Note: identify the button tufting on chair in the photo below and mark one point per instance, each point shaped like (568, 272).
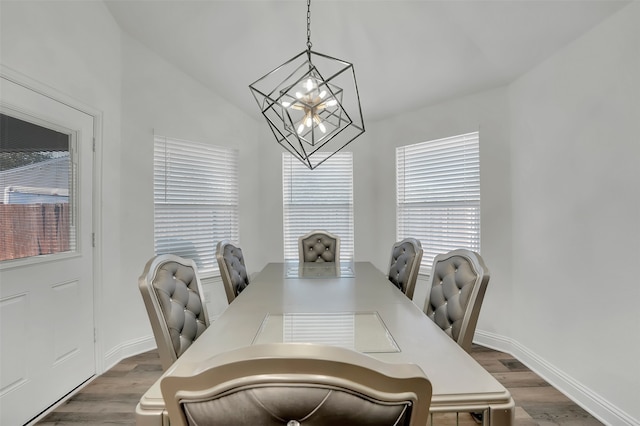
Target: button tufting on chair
(232, 269)
(319, 246)
(458, 284)
(173, 297)
(404, 267)
(297, 384)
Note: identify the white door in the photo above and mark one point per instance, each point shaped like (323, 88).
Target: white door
(46, 253)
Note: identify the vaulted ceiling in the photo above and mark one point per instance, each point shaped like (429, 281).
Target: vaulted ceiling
(406, 54)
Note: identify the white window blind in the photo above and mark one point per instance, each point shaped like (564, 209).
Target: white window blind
(318, 199)
(438, 195)
(195, 200)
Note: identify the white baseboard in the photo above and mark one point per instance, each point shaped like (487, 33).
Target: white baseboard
(111, 358)
(127, 349)
(586, 398)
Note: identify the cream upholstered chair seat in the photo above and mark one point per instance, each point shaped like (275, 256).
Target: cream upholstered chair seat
(298, 384)
(404, 267)
(232, 269)
(458, 283)
(319, 246)
(173, 297)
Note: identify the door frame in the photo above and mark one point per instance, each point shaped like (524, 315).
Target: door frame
(96, 220)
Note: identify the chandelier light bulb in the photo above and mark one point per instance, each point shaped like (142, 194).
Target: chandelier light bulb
(310, 103)
(320, 124)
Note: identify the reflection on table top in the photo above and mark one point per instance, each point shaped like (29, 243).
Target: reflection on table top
(361, 331)
(319, 270)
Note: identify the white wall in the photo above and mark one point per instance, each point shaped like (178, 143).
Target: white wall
(75, 48)
(559, 153)
(157, 97)
(488, 113)
(576, 215)
(79, 50)
(560, 198)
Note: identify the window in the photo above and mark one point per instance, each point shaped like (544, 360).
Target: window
(37, 179)
(318, 199)
(438, 195)
(195, 193)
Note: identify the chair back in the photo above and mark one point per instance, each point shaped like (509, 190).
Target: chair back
(298, 384)
(404, 267)
(458, 283)
(232, 269)
(319, 246)
(173, 296)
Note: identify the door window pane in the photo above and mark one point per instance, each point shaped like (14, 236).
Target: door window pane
(35, 179)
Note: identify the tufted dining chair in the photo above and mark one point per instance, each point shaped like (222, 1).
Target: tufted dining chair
(293, 384)
(404, 267)
(458, 283)
(319, 246)
(232, 269)
(173, 296)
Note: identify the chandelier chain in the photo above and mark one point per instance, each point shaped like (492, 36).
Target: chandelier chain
(309, 24)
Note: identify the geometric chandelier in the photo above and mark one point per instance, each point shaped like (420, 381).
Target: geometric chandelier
(311, 104)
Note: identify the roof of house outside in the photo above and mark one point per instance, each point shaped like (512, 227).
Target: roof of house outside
(51, 176)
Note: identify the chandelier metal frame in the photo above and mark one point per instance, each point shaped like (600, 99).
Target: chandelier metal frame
(311, 103)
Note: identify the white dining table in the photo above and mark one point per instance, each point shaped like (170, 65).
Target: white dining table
(352, 305)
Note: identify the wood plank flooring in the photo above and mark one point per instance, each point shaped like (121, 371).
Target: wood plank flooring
(111, 398)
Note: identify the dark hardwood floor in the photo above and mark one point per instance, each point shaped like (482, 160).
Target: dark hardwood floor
(111, 398)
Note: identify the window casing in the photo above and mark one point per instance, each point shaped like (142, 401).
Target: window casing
(195, 200)
(438, 195)
(318, 199)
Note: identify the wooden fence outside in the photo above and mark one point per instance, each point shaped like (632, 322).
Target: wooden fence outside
(33, 229)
